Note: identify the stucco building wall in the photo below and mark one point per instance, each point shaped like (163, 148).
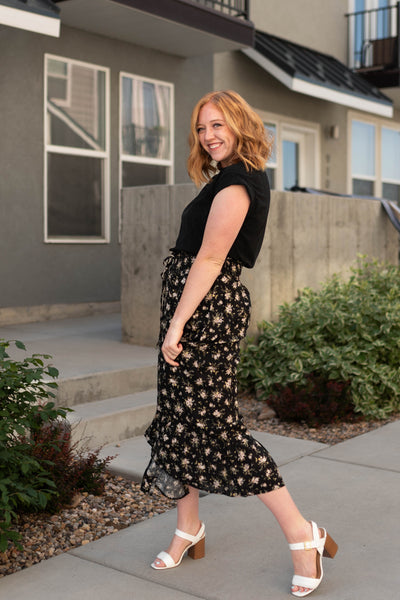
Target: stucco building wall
(32, 272)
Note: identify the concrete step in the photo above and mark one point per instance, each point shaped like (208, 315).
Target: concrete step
(108, 421)
(93, 362)
(94, 387)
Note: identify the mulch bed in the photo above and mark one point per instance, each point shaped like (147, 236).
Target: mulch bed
(123, 504)
(257, 417)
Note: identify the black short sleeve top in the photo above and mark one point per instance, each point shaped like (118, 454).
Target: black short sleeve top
(247, 244)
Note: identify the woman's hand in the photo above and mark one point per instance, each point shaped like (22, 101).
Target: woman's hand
(172, 347)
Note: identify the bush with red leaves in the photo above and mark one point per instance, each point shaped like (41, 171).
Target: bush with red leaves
(319, 402)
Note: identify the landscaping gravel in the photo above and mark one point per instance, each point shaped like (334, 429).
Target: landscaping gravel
(123, 504)
(43, 535)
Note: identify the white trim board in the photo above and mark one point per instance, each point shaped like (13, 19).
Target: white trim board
(30, 21)
(318, 91)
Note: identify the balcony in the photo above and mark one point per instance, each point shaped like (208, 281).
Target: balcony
(180, 27)
(373, 45)
(233, 8)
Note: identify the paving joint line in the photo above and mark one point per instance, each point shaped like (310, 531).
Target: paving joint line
(356, 464)
(291, 460)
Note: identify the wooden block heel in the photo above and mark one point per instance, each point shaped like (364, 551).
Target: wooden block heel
(199, 550)
(331, 547)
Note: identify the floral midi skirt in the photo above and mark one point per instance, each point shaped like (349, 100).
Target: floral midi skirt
(197, 436)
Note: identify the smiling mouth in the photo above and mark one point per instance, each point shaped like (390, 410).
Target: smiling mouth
(215, 146)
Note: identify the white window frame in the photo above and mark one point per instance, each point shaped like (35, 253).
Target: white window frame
(396, 182)
(67, 80)
(70, 151)
(393, 127)
(162, 162)
(273, 165)
(310, 134)
(374, 178)
(378, 124)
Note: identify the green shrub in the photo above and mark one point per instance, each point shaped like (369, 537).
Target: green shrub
(349, 331)
(25, 406)
(39, 468)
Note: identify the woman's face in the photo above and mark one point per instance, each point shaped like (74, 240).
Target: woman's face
(215, 136)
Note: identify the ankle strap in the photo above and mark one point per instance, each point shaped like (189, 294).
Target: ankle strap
(184, 535)
(304, 545)
(191, 538)
(316, 542)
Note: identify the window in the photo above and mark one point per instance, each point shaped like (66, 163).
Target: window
(272, 164)
(77, 151)
(146, 135)
(363, 158)
(390, 153)
(375, 160)
(358, 32)
(369, 21)
(291, 164)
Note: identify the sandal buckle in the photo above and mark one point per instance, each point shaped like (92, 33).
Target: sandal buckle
(308, 545)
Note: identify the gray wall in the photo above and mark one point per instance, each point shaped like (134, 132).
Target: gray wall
(318, 24)
(32, 272)
(308, 238)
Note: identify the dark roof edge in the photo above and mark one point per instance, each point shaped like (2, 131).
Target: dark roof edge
(40, 7)
(382, 99)
(291, 71)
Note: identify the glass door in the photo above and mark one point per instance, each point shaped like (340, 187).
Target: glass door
(294, 159)
(290, 164)
(370, 21)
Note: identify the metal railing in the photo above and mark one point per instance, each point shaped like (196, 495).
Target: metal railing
(373, 37)
(232, 8)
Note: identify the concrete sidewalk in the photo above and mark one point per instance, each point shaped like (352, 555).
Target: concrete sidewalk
(352, 489)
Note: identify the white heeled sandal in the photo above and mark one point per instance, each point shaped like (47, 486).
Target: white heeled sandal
(195, 550)
(325, 546)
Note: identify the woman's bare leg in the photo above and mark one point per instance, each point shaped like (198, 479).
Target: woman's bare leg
(295, 528)
(187, 521)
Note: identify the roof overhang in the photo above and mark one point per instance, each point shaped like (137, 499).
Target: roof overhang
(39, 16)
(283, 69)
(180, 27)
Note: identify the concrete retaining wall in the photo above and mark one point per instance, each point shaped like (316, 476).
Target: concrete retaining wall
(308, 238)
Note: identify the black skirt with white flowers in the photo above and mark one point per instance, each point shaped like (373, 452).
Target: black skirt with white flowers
(198, 437)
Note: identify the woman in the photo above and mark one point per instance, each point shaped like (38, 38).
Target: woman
(198, 438)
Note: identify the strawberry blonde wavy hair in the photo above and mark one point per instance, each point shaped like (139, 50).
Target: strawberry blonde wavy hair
(253, 147)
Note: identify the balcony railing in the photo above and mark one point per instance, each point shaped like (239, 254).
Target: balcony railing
(373, 44)
(232, 8)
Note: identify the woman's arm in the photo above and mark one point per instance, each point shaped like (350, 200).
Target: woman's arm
(227, 214)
